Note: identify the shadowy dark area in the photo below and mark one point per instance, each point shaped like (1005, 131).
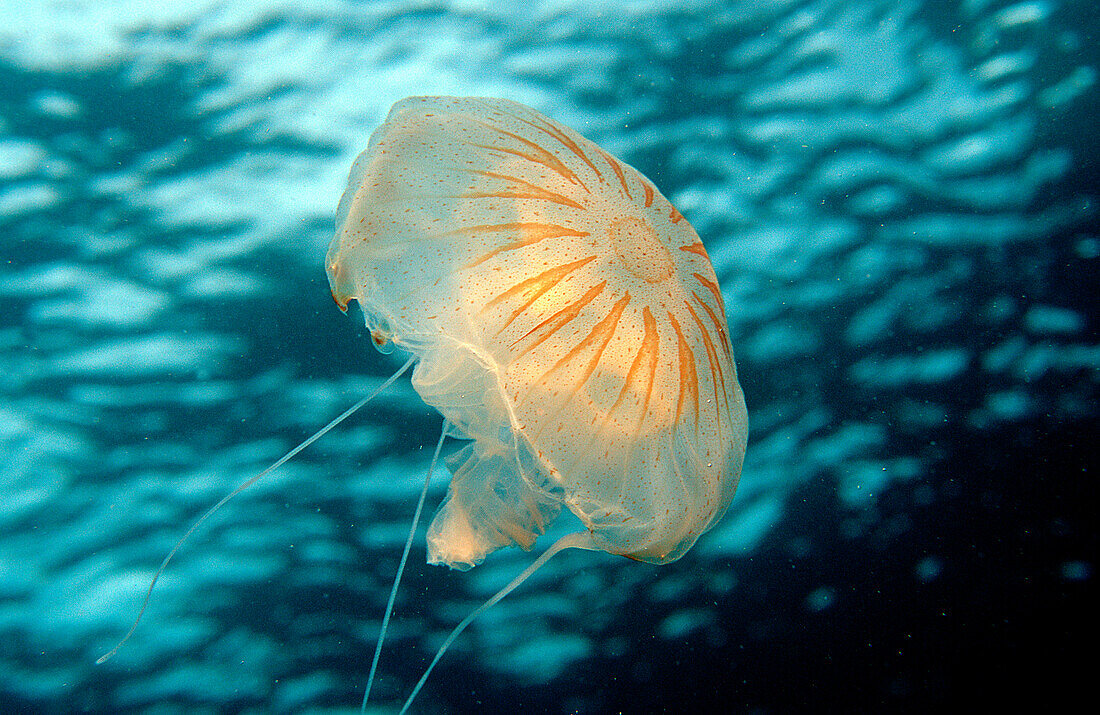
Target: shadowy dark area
(1001, 622)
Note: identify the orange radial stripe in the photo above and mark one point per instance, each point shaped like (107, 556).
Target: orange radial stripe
(689, 378)
(542, 195)
(565, 141)
(648, 193)
(560, 318)
(697, 249)
(714, 290)
(618, 172)
(541, 155)
(718, 324)
(537, 286)
(646, 359)
(600, 335)
(715, 365)
(675, 215)
(529, 190)
(532, 234)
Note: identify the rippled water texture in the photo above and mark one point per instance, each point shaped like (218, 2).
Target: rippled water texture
(899, 201)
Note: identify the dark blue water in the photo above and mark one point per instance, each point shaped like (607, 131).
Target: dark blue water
(900, 202)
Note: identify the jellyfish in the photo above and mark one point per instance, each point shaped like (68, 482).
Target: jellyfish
(563, 316)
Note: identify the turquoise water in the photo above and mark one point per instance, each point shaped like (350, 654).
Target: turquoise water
(899, 199)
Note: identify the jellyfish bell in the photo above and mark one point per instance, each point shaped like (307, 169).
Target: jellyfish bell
(564, 317)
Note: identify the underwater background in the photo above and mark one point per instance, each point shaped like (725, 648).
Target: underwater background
(900, 201)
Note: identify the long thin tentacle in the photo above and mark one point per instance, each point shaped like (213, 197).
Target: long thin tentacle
(245, 485)
(401, 568)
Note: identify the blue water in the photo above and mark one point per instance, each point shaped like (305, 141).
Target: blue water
(900, 202)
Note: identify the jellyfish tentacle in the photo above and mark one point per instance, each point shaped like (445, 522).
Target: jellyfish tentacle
(401, 567)
(240, 488)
